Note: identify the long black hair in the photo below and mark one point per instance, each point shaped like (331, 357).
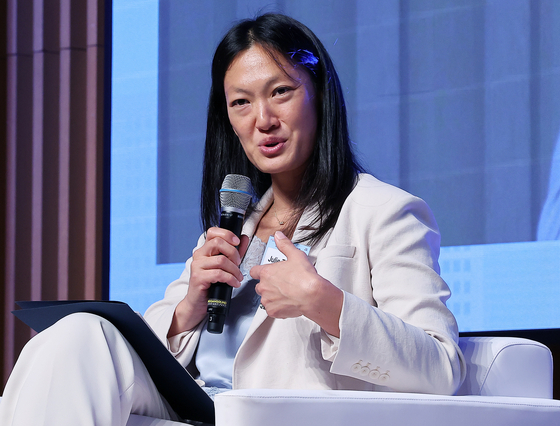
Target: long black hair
(332, 169)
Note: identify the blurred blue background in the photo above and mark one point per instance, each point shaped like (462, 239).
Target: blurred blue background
(456, 101)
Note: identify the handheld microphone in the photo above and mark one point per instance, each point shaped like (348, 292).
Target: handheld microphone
(235, 197)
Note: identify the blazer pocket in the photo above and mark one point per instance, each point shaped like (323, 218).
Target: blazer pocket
(336, 251)
(337, 264)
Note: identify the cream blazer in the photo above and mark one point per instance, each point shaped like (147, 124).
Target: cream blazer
(396, 331)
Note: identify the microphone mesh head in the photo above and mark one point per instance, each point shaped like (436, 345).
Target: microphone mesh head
(236, 192)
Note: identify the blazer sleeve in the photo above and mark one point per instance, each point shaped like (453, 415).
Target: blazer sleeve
(396, 330)
(160, 315)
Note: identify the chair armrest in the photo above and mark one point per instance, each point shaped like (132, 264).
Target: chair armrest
(506, 366)
(275, 407)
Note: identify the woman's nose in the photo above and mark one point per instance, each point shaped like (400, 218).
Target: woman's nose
(266, 117)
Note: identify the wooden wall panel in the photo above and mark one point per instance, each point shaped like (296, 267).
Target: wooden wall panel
(53, 157)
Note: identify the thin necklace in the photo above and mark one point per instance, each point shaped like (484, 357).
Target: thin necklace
(280, 222)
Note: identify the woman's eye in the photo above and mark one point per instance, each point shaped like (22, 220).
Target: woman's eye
(282, 90)
(239, 102)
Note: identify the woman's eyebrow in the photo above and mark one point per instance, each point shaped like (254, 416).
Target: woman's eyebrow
(248, 91)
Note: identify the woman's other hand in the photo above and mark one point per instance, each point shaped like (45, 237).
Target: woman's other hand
(293, 287)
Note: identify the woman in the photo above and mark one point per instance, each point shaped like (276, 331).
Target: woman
(365, 309)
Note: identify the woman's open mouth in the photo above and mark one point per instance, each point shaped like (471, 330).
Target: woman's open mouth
(272, 147)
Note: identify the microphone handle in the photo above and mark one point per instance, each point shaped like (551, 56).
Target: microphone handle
(219, 294)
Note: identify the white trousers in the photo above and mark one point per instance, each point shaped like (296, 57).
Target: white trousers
(81, 371)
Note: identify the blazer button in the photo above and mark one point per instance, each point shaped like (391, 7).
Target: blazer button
(365, 370)
(374, 374)
(384, 377)
(356, 368)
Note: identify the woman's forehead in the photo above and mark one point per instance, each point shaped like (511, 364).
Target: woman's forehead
(258, 61)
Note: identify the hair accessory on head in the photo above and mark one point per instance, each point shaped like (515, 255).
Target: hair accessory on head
(305, 57)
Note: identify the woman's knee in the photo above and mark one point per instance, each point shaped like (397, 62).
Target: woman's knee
(78, 332)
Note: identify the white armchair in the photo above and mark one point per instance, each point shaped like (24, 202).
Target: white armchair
(509, 382)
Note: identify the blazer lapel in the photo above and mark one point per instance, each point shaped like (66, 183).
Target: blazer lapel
(304, 221)
(252, 222)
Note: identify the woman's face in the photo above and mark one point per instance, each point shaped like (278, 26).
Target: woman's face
(272, 109)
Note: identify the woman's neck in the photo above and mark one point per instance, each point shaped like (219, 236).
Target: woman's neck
(286, 190)
(281, 216)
